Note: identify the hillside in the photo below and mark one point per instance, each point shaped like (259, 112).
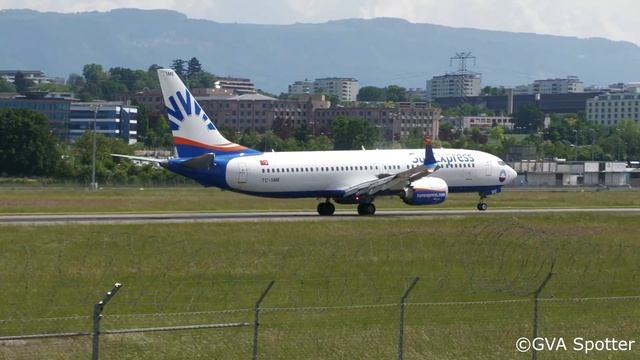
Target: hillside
(377, 52)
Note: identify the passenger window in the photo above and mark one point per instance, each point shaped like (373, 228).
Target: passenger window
(262, 170)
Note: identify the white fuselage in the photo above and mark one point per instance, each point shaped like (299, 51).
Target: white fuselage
(314, 172)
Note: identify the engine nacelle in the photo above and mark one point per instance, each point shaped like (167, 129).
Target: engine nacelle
(426, 191)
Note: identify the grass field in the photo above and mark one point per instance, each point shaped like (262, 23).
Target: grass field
(63, 200)
(179, 273)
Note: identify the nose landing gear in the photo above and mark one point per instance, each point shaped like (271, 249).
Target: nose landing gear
(482, 206)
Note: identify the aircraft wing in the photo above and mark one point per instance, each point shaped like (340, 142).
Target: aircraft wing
(397, 181)
(391, 182)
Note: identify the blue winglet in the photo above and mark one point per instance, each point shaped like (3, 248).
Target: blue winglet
(429, 159)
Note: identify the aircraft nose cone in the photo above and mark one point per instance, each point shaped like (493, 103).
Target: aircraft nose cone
(512, 174)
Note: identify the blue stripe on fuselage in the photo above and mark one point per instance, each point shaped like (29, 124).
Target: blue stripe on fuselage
(189, 151)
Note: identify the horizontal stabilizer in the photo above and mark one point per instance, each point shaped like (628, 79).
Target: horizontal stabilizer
(141, 158)
(202, 162)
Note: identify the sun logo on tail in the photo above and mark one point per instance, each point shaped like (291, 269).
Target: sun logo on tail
(190, 106)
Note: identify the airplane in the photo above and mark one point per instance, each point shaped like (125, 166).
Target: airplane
(418, 176)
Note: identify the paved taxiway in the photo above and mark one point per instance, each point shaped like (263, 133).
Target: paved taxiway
(145, 218)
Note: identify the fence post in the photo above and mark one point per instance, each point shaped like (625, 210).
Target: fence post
(536, 296)
(402, 304)
(97, 315)
(256, 322)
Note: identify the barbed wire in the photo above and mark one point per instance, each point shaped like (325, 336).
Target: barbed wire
(337, 307)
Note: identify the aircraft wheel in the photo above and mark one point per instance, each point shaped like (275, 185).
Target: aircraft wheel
(326, 208)
(482, 206)
(366, 209)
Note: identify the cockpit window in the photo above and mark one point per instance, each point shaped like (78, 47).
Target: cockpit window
(501, 163)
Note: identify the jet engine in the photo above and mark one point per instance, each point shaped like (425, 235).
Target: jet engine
(425, 191)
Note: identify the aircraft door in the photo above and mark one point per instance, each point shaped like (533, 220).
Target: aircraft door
(487, 168)
(243, 174)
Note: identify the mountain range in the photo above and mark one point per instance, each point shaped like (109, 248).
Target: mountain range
(378, 52)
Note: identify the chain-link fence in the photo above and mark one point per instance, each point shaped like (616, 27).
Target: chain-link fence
(476, 309)
(443, 330)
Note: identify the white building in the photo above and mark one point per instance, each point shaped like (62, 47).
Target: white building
(113, 119)
(346, 89)
(36, 76)
(570, 84)
(238, 85)
(301, 87)
(481, 122)
(609, 109)
(454, 85)
(589, 173)
(632, 87)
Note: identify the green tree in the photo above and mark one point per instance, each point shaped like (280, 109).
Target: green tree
(94, 77)
(154, 69)
(6, 86)
(352, 133)
(415, 139)
(159, 135)
(371, 93)
(202, 79)
(178, 65)
(493, 91)
(395, 93)
(193, 67)
(302, 134)
(27, 146)
(497, 134)
(319, 143)
(52, 87)
(529, 118)
(21, 83)
(447, 132)
(76, 82)
(82, 153)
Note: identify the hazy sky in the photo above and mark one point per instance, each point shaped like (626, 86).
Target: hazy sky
(613, 19)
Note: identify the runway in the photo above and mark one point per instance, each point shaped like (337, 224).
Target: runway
(164, 218)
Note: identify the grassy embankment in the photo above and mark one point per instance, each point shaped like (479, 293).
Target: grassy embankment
(63, 200)
(59, 271)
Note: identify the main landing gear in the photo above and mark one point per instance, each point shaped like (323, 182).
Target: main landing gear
(366, 209)
(482, 206)
(326, 208)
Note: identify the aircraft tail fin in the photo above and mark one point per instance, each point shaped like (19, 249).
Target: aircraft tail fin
(194, 134)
